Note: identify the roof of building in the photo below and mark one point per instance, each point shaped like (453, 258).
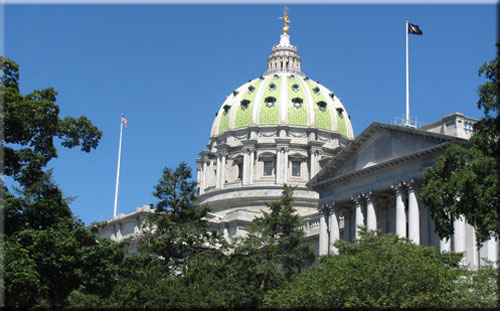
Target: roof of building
(283, 95)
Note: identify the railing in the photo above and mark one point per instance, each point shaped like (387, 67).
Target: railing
(411, 122)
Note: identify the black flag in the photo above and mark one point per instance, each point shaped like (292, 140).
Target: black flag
(414, 29)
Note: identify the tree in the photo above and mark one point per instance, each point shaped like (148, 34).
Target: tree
(465, 181)
(273, 251)
(31, 122)
(178, 229)
(48, 252)
(385, 271)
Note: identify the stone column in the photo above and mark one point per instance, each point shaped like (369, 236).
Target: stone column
(358, 214)
(334, 227)
(371, 216)
(413, 214)
(203, 176)
(223, 169)
(218, 171)
(445, 245)
(400, 211)
(278, 166)
(323, 231)
(459, 242)
(251, 165)
(246, 164)
(226, 232)
(492, 249)
(285, 165)
(314, 150)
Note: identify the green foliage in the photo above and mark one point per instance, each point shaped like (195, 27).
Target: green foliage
(385, 272)
(178, 230)
(466, 180)
(31, 122)
(48, 253)
(274, 249)
(44, 266)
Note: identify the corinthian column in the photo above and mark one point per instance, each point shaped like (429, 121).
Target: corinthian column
(323, 231)
(459, 236)
(334, 228)
(251, 165)
(358, 214)
(223, 169)
(218, 171)
(371, 216)
(285, 165)
(400, 211)
(413, 214)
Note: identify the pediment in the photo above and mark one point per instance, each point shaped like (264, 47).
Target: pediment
(379, 143)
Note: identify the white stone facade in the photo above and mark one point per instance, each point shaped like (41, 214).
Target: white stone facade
(374, 183)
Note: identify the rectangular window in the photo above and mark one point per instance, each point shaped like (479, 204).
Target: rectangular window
(268, 168)
(296, 169)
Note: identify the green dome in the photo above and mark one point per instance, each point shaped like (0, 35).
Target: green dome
(282, 98)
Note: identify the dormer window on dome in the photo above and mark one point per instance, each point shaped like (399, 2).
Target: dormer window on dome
(235, 92)
(322, 106)
(295, 87)
(244, 104)
(251, 88)
(226, 108)
(332, 95)
(297, 102)
(316, 90)
(272, 87)
(270, 101)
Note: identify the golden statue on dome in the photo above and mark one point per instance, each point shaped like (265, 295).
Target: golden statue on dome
(286, 20)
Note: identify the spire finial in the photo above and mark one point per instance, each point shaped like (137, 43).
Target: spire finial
(286, 21)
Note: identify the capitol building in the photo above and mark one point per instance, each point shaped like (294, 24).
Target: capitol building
(285, 128)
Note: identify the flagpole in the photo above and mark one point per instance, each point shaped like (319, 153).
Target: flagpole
(407, 79)
(118, 169)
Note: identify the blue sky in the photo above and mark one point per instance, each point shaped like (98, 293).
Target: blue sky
(169, 67)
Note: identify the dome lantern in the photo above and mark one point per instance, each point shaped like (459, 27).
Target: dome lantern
(284, 56)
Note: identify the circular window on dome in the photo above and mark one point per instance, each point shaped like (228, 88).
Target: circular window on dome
(251, 88)
(292, 77)
(295, 87)
(270, 101)
(272, 87)
(244, 104)
(297, 102)
(322, 106)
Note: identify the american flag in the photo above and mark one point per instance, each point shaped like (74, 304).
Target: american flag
(124, 120)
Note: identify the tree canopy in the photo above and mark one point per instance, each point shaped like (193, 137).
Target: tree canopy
(48, 253)
(465, 181)
(385, 271)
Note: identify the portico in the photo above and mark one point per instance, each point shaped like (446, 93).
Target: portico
(374, 183)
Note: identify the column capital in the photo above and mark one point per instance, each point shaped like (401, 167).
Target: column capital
(222, 153)
(324, 209)
(411, 184)
(398, 188)
(249, 149)
(357, 199)
(369, 196)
